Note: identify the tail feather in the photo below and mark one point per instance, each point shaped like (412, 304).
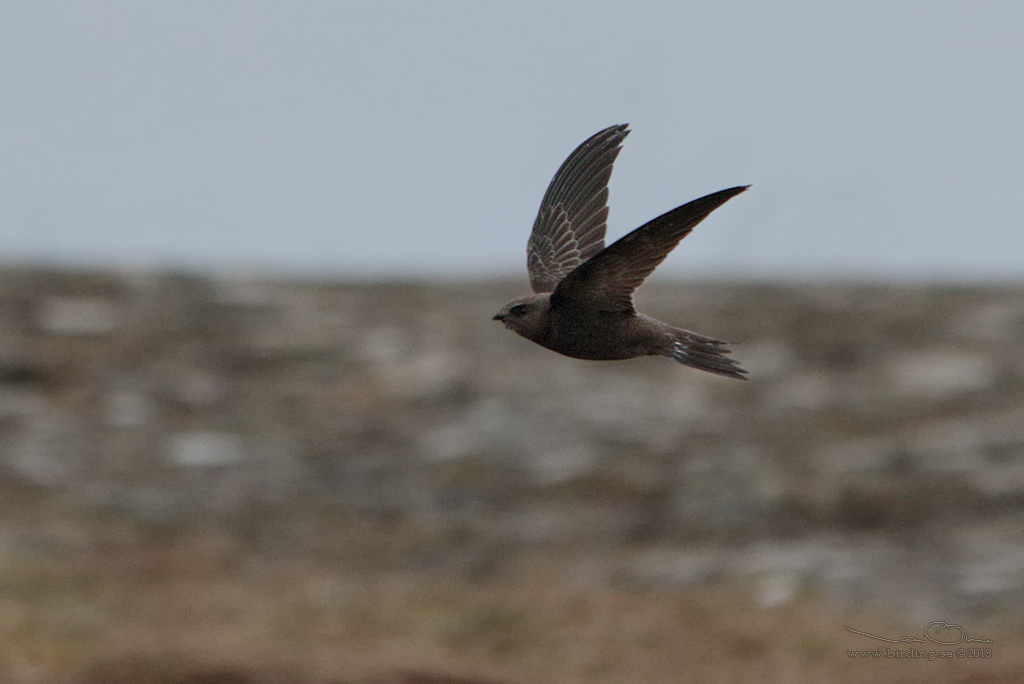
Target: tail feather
(704, 353)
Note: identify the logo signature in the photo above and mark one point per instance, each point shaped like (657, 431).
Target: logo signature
(939, 632)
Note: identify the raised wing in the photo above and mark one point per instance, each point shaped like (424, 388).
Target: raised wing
(571, 222)
(607, 280)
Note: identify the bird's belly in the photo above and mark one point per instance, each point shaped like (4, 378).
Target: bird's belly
(597, 353)
(599, 341)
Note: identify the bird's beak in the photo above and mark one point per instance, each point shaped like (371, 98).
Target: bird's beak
(498, 317)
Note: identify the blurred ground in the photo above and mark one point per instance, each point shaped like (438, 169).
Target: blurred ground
(220, 479)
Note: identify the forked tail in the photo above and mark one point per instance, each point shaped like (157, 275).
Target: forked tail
(703, 353)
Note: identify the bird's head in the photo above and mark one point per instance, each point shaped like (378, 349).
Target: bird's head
(527, 316)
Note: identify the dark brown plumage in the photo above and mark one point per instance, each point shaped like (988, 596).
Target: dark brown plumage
(584, 302)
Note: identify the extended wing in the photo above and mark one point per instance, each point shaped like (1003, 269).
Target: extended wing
(570, 225)
(608, 279)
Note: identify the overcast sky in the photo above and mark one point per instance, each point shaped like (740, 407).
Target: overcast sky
(417, 138)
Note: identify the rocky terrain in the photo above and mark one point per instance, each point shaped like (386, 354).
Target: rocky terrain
(875, 458)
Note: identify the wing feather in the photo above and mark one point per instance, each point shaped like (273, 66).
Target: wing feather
(573, 215)
(607, 280)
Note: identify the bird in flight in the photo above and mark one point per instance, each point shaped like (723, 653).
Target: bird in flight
(583, 306)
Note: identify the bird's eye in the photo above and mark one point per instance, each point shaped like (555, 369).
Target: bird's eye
(518, 310)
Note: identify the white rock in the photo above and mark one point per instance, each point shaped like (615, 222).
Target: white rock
(450, 442)
(940, 374)
(383, 345)
(78, 316)
(678, 567)
(777, 589)
(204, 449)
(555, 466)
(770, 358)
(49, 450)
